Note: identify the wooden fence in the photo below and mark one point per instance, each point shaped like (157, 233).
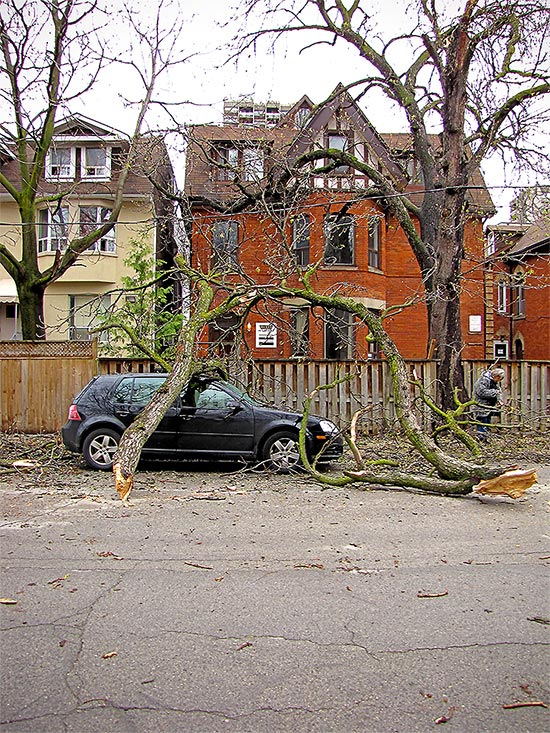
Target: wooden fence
(39, 380)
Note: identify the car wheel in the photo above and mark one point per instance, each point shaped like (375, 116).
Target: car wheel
(99, 448)
(281, 452)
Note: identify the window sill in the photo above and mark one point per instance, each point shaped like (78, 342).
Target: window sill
(93, 179)
(375, 270)
(340, 266)
(55, 251)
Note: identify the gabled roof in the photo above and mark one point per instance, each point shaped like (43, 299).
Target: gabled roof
(294, 135)
(537, 235)
(339, 100)
(84, 127)
(151, 160)
(290, 118)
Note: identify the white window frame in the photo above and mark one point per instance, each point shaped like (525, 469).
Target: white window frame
(374, 243)
(107, 243)
(225, 243)
(502, 297)
(491, 244)
(82, 321)
(95, 172)
(67, 169)
(53, 229)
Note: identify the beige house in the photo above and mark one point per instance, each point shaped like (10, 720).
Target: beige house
(84, 164)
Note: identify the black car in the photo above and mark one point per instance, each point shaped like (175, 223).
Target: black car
(211, 420)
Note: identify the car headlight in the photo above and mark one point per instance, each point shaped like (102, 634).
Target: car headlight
(328, 427)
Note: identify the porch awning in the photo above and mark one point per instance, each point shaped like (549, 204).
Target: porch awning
(8, 291)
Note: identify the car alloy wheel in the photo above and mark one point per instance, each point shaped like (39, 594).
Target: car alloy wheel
(100, 447)
(281, 452)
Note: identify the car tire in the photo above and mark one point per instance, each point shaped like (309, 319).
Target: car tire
(99, 448)
(281, 452)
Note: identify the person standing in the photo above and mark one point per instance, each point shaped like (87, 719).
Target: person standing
(488, 395)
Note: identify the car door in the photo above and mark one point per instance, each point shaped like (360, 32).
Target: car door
(215, 422)
(130, 397)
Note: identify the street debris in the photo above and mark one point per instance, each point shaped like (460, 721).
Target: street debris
(445, 718)
(430, 594)
(525, 704)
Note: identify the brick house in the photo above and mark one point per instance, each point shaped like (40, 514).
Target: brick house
(83, 164)
(518, 278)
(361, 249)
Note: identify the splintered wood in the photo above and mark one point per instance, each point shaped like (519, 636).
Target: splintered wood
(123, 484)
(512, 483)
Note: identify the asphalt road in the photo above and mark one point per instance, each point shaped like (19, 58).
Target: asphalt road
(247, 604)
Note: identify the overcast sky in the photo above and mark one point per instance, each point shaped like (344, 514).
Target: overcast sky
(205, 80)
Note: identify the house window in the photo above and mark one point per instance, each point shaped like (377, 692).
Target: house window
(299, 331)
(338, 141)
(491, 244)
(91, 218)
(248, 163)
(502, 297)
(301, 117)
(221, 335)
(227, 158)
(95, 163)
(53, 229)
(300, 238)
(225, 243)
(374, 346)
(85, 313)
(253, 164)
(519, 294)
(60, 163)
(339, 336)
(339, 239)
(375, 253)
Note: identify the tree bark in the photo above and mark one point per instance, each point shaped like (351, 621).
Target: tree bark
(135, 437)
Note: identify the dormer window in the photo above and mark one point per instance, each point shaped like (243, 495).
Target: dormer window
(246, 162)
(96, 163)
(60, 163)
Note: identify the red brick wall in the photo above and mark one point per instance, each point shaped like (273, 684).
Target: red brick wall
(261, 250)
(533, 330)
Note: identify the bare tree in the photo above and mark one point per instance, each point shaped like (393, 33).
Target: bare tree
(467, 84)
(53, 53)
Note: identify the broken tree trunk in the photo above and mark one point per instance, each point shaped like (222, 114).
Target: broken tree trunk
(135, 437)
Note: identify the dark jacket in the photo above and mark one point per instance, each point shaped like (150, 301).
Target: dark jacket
(487, 394)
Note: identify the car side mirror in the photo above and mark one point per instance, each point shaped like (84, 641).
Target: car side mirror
(235, 406)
